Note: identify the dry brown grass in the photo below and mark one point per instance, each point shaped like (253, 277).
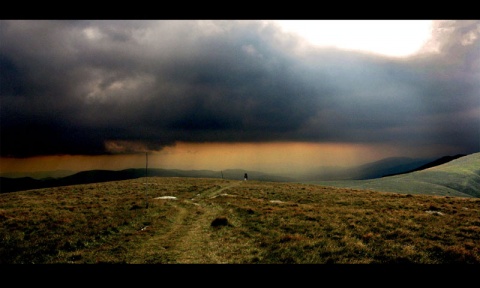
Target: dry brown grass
(226, 221)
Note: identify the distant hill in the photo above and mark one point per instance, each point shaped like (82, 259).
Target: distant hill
(96, 176)
(437, 162)
(377, 169)
(459, 177)
(385, 167)
(39, 174)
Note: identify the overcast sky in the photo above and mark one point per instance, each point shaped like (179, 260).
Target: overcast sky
(107, 87)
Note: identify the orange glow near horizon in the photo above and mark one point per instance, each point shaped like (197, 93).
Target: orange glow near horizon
(275, 157)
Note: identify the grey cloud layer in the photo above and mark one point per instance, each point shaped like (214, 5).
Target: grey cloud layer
(99, 87)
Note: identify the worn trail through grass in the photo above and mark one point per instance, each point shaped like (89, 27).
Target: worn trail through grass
(196, 245)
(188, 233)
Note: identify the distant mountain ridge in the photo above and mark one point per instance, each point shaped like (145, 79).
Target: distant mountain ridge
(440, 161)
(96, 176)
(39, 174)
(387, 166)
(378, 169)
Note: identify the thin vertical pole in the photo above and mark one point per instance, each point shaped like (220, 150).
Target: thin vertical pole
(146, 179)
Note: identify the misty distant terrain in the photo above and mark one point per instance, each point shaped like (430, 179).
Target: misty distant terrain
(457, 175)
(377, 169)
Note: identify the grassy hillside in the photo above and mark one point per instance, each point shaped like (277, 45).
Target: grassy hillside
(172, 220)
(459, 177)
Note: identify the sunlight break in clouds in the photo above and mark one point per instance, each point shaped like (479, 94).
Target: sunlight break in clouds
(238, 93)
(398, 38)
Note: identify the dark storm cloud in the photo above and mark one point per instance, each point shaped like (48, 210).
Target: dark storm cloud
(96, 87)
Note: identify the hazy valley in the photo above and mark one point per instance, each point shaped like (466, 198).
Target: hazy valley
(457, 175)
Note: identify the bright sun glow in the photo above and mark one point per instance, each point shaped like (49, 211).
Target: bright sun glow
(397, 38)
